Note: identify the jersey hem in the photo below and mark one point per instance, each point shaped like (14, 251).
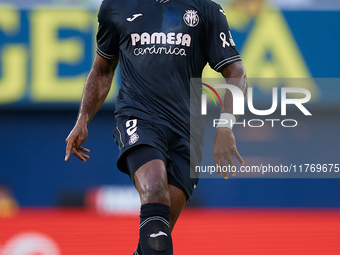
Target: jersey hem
(226, 62)
(105, 55)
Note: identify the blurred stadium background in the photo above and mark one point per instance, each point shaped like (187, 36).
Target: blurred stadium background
(49, 207)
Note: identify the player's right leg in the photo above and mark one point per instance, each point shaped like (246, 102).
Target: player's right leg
(156, 186)
(152, 185)
(144, 157)
(154, 230)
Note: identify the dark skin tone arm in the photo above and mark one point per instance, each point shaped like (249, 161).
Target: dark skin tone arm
(224, 140)
(96, 88)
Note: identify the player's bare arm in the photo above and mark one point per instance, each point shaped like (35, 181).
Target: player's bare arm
(224, 140)
(96, 88)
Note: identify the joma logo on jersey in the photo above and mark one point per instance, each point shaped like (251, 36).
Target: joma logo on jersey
(161, 38)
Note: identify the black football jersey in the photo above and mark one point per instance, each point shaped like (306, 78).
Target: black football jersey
(161, 44)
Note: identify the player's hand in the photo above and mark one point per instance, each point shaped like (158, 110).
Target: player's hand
(74, 141)
(224, 149)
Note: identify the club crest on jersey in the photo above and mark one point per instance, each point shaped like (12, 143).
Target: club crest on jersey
(191, 18)
(133, 138)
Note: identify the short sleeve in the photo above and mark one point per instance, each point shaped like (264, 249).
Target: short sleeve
(107, 36)
(220, 46)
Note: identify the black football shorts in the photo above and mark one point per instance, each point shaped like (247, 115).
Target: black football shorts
(140, 141)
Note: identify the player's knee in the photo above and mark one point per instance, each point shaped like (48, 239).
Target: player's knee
(155, 192)
(151, 183)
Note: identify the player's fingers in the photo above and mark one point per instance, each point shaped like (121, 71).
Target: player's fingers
(78, 143)
(239, 158)
(84, 149)
(224, 168)
(230, 165)
(84, 155)
(217, 163)
(68, 148)
(233, 171)
(78, 155)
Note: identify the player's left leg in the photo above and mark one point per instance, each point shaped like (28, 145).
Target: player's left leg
(177, 202)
